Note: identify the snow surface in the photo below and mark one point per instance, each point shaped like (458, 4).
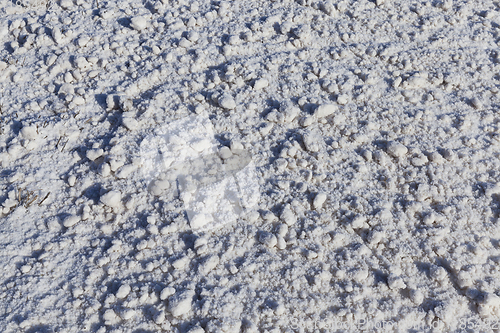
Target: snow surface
(254, 166)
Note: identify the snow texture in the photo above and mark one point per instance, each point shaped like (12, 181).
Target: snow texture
(249, 166)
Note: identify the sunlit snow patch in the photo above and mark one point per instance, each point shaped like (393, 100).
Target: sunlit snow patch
(215, 188)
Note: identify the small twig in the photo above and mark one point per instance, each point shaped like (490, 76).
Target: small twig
(33, 200)
(41, 202)
(19, 195)
(64, 146)
(57, 144)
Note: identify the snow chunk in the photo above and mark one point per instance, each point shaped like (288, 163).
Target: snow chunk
(138, 23)
(260, 84)
(227, 102)
(112, 199)
(201, 145)
(160, 185)
(225, 153)
(396, 149)
(181, 262)
(107, 13)
(306, 121)
(343, 99)
(166, 292)
(311, 141)
(180, 304)
(193, 36)
(319, 200)
(196, 329)
(94, 154)
(125, 171)
(436, 157)
(328, 8)
(438, 273)
(123, 291)
(71, 180)
(281, 243)
(358, 222)
(130, 123)
(210, 263)
(416, 81)
(476, 103)
(82, 42)
(416, 296)
(268, 239)
(81, 62)
(159, 318)
(29, 132)
(66, 4)
(491, 189)
(71, 221)
(288, 216)
(110, 317)
(325, 110)
(489, 306)
(66, 89)
(395, 282)
(419, 160)
(289, 111)
(199, 220)
(25, 269)
(275, 117)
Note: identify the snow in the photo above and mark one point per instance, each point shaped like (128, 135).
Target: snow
(227, 102)
(71, 221)
(166, 292)
(208, 264)
(123, 291)
(325, 110)
(288, 216)
(138, 23)
(227, 166)
(94, 154)
(112, 199)
(268, 239)
(260, 84)
(180, 303)
(319, 200)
